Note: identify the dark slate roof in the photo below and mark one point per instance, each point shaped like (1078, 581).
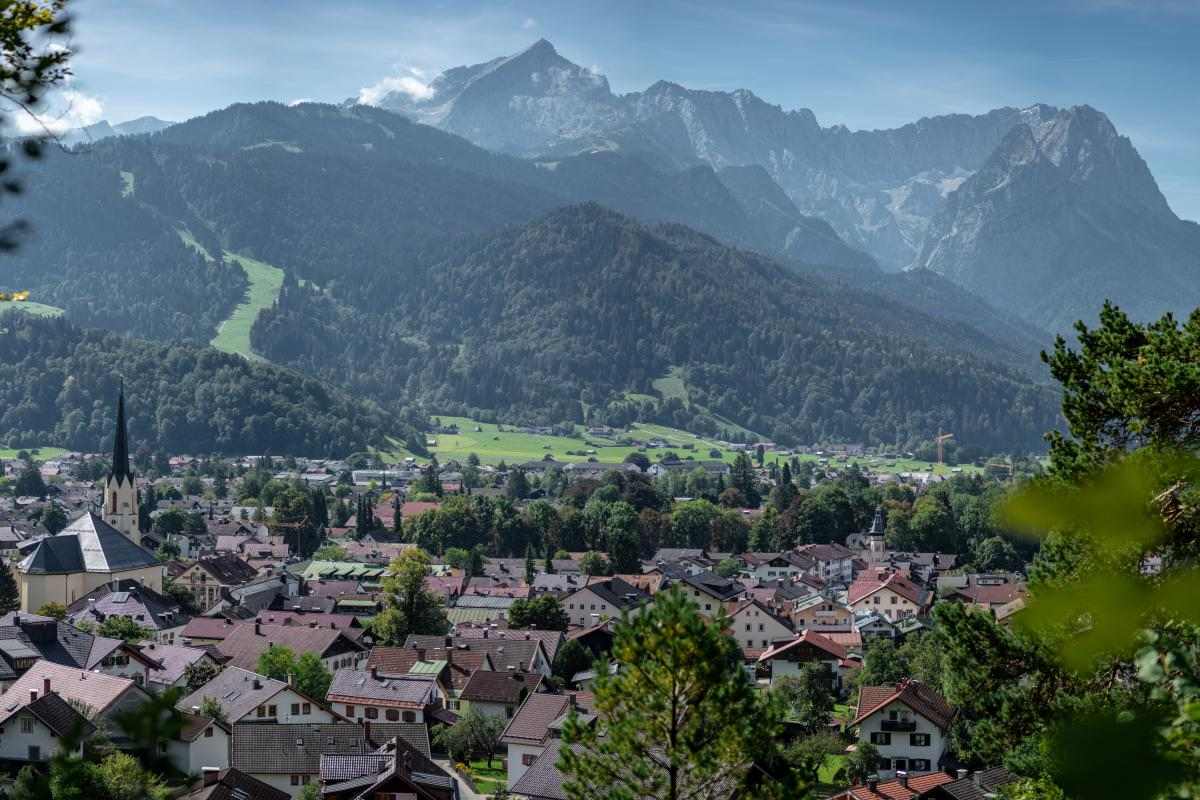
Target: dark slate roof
(543, 781)
(413, 734)
(293, 748)
(361, 686)
(120, 460)
(504, 653)
(129, 598)
(238, 691)
(716, 585)
(234, 784)
(53, 712)
(509, 687)
(619, 593)
(980, 786)
(89, 544)
(58, 642)
(228, 569)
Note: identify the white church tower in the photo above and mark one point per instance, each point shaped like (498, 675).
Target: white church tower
(120, 491)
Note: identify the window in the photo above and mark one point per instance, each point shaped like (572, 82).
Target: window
(879, 737)
(295, 708)
(747, 627)
(528, 758)
(900, 763)
(918, 765)
(295, 780)
(272, 710)
(392, 715)
(208, 732)
(893, 600)
(761, 627)
(349, 710)
(26, 725)
(508, 712)
(260, 712)
(410, 716)
(308, 708)
(372, 712)
(35, 753)
(885, 764)
(918, 739)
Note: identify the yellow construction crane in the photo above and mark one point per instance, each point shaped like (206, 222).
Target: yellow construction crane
(940, 440)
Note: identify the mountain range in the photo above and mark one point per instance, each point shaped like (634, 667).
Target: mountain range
(383, 228)
(1044, 212)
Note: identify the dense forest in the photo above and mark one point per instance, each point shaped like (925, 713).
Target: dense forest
(58, 385)
(560, 318)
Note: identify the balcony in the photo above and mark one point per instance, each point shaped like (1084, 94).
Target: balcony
(898, 725)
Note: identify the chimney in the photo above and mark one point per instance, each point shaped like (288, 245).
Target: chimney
(872, 783)
(228, 621)
(420, 654)
(902, 778)
(33, 695)
(485, 633)
(962, 774)
(211, 775)
(257, 628)
(257, 684)
(292, 679)
(449, 641)
(374, 673)
(571, 700)
(978, 779)
(45, 684)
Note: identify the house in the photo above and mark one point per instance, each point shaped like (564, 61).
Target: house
(711, 591)
(452, 667)
(395, 770)
(288, 756)
(527, 654)
(498, 694)
(755, 625)
(532, 726)
(163, 617)
(979, 785)
(87, 554)
(375, 696)
(208, 576)
(173, 661)
(902, 788)
(691, 560)
(834, 562)
(551, 640)
(787, 658)
(26, 638)
(204, 631)
(760, 567)
(887, 593)
(248, 640)
(99, 698)
(201, 743)
(246, 696)
(818, 612)
(231, 784)
(986, 592)
(36, 729)
(603, 600)
(908, 723)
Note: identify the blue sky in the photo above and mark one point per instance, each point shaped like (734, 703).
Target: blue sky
(864, 65)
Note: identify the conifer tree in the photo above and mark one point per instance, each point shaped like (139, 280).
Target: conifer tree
(10, 596)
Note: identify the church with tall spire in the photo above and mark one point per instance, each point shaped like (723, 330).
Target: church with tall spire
(95, 549)
(120, 488)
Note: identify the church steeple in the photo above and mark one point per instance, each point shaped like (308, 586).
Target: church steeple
(120, 489)
(120, 460)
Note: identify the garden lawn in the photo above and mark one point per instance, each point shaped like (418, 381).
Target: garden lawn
(489, 780)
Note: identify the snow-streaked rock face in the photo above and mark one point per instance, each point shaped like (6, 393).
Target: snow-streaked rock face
(1064, 215)
(1001, 202)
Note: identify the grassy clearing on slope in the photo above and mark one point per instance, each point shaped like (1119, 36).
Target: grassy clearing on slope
(186, 236)
(37, 309)
(493, 445)
(127, 183)
(672, 385)
(38, 453)
(233, 336)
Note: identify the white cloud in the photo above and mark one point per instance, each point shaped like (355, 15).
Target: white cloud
(529, 24)
(67, 109)
(411, 85)
(300, 100)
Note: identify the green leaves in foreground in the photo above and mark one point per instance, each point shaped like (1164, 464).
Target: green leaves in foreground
(1124, 513)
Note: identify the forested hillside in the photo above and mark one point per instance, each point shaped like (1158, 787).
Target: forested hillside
(58, 384)
(571, 312)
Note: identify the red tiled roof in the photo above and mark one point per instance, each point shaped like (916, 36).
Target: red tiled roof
(869, 584)
(993, 595)
(414, 507)
(922, 699)
(809, 637)
(531, 723)
(892, 790)
(207, 628)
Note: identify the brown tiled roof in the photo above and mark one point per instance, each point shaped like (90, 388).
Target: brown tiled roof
(400, 660)
(543, 781)
(811, 637)
(549, 639)
(361, 686)
(869, 584)
(504, 652)
(893, 790)
(293, 748)
(531, 723)
(922, 699)
(228, 569)
(996, 595)
(207, 628)
(500, 687)
(247, 641)
(93, 691)
(238, 691)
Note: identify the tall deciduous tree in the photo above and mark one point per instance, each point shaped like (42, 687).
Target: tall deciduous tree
(409, 606)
